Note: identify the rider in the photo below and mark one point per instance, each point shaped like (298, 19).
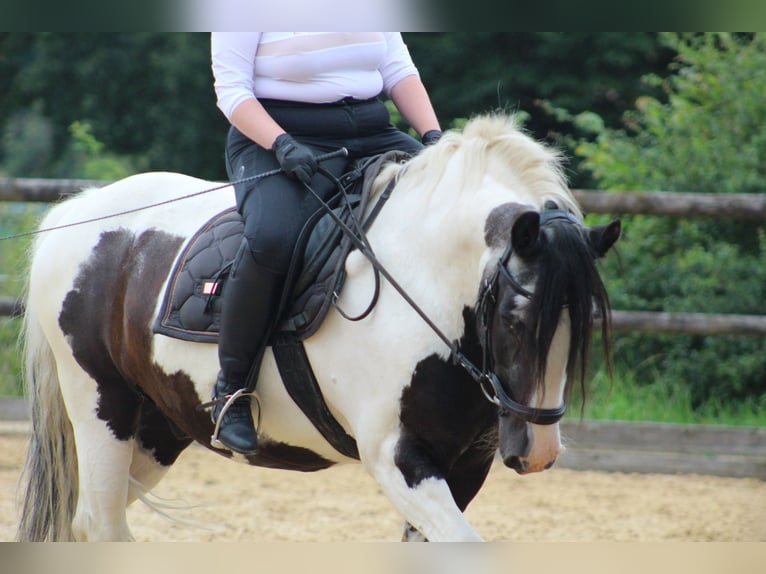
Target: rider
(289, 97)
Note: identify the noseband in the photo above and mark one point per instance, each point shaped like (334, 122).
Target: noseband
(488, 381)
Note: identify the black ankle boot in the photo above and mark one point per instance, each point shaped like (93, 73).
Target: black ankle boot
(250, 302)
(236, 430)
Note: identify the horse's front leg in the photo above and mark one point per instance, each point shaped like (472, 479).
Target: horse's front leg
(412, 534)
(418, 490)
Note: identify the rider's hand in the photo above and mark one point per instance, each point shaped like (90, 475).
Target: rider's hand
(431, 137)
(295, 159)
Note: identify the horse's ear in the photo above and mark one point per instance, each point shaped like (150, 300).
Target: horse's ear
(603, 237)
(524, 232)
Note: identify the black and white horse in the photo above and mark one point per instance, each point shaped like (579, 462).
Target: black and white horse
(480, 231)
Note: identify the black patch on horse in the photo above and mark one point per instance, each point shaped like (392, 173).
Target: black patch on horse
(447, 424)
(115, 267)
(136, 398)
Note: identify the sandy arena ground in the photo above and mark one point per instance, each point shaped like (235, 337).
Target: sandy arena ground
(246, 504)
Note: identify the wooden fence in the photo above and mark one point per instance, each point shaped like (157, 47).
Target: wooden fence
(738, 206)
(664, 448)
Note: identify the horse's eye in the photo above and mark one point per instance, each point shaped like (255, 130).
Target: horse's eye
(515, 327)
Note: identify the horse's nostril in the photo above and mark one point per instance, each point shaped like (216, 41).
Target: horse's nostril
(550, 464)
(518, 464)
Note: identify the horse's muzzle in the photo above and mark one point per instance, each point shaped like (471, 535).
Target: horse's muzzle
(521, 464)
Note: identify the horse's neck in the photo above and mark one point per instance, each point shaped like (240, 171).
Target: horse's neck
(435, 239)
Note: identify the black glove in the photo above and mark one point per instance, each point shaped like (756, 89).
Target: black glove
(295, 159)
(431, 137)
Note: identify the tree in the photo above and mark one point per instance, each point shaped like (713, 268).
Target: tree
(149, 96)
(469, 73)
(145, 95)
(706, 135)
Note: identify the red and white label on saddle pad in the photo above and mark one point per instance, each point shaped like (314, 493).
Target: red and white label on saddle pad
(211, 288)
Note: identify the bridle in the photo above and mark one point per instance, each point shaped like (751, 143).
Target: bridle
(488, 381)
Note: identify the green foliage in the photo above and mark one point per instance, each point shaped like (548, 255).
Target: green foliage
(147, 96)
(630, 398)
(85, 157)
(10, 358)
(14, 218)
(469, 72)
(706, 135)
(26, 143)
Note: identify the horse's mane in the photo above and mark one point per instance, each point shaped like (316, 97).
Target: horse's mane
(495, 145)
(489, 144)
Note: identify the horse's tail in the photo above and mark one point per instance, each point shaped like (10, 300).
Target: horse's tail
(49, 479)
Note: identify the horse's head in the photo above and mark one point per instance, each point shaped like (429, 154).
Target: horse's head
(538, 304)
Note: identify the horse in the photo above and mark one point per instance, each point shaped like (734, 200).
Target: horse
(474, 354)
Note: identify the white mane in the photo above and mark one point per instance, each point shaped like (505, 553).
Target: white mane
(491, 145)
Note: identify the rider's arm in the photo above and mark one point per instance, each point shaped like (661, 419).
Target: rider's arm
(412, 101)
(233, 58)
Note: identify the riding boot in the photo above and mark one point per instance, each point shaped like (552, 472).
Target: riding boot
(250, 300)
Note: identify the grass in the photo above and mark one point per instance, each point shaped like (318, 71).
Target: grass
(10, 357)
(627, 399)
(14, 218)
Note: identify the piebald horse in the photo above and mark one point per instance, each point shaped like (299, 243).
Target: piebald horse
(480, 231)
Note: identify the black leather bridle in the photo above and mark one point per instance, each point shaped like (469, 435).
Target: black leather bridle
(488, 381)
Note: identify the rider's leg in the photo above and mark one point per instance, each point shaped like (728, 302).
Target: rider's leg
(251, 298)
(274, 210)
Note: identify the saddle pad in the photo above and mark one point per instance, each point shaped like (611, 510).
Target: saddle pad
(192, 304)
(191, 307)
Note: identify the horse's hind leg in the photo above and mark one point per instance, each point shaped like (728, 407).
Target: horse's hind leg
(104, 454)
(157, 446)
(104, 464)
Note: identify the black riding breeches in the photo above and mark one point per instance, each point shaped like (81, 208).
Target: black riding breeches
(276, 208)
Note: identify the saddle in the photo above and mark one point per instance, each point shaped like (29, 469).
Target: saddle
(191, 304)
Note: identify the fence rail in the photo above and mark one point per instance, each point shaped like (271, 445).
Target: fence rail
(630, 321)
(11, 307)
(664, 448)
(43, 190)
(673, 204)
(738, 206)
(689, 323)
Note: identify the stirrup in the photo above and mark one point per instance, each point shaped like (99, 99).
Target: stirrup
(230, 399)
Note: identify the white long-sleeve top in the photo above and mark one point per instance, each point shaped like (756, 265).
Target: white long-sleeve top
(312, 67)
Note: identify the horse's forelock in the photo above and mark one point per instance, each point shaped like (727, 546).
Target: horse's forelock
(567, 279)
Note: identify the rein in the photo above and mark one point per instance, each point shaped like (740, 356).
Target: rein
(488, 381)
(342, 152)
